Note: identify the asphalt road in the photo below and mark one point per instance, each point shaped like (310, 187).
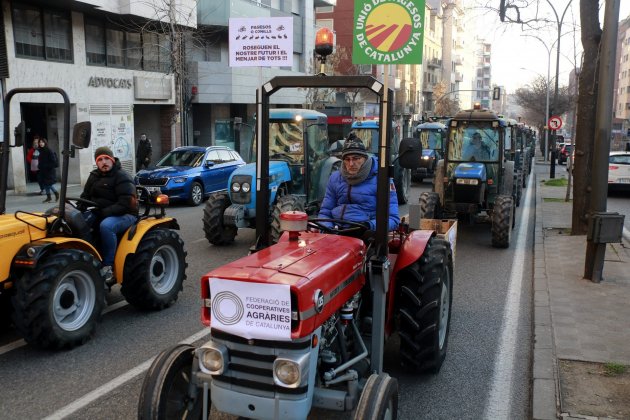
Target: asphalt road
(487, 366)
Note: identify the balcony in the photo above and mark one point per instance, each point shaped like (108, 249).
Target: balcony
(458, 60)
(434, 63)
(459, 77)
(427, 87)
(218, 12)
(324, 3)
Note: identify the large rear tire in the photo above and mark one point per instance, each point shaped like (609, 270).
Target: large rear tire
(166, 390)
(216, 232)
(430, 206)
(402, 186)
(59, 303)
(153, 276)
(502, 218)
(283, 204)
(425, 296)
(379, 399)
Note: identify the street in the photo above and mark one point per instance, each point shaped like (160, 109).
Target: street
(102, 379)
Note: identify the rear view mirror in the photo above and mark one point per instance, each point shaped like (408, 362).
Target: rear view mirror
(409, 153)
(237, 123)
(81, 134)
(322, 121)
(20, 134)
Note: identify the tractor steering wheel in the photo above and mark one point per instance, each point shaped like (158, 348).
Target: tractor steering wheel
(73, 201)
(355, 227)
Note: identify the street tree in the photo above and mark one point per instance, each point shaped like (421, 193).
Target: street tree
(444, 105)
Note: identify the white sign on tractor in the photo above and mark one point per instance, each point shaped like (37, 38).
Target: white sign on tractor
(263, 42)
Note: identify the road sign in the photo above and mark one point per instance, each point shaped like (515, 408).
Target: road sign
(554, 123)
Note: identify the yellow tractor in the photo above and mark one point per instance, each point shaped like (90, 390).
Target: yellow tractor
(52, 282)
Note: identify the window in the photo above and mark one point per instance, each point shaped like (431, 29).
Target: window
(42, 34)
(115, 48)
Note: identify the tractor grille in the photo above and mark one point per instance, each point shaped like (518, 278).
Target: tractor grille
(241, 197)
(467, 194)
(251, 364)
(153, 182)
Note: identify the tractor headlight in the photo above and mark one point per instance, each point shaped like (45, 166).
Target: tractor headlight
(212, 358)
(467, 181)
(426, 157)
(236, 187)
(286, 373)
(246, 187)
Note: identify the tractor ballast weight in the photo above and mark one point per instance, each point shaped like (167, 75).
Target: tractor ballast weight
(52, 281)
(289, 322)
(476, 175)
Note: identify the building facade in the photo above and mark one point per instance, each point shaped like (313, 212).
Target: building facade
(113, 60)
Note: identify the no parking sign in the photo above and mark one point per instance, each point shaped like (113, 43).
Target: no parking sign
(554, 123)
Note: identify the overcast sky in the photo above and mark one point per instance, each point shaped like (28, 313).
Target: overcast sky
(518, 60)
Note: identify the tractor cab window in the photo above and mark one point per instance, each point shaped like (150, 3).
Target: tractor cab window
(369, 137)
(431, 139)
(286, 142)
(470, 143)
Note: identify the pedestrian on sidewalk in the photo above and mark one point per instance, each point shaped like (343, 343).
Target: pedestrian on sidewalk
(47, 174)
(32, 157)
(143, 154)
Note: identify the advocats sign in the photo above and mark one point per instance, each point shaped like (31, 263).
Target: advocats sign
(388, 31)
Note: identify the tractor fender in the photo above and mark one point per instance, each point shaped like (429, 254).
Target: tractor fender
(41, 248)
(132, 237)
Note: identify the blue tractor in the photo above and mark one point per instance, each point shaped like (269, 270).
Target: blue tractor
(476, 177)
(432, 135)
(299, 168)
(368, 132)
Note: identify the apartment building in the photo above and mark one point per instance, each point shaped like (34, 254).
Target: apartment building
(112, 58)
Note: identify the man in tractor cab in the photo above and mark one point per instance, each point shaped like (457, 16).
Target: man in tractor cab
(114, 193)
(476, 149)
(351, 191)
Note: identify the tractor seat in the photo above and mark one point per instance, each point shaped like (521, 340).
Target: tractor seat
(75, 220)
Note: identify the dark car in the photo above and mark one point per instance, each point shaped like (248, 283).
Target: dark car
(564, 154)
(191, 173)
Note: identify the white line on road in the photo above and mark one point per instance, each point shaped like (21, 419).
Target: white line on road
(90, 397)
(499, 401)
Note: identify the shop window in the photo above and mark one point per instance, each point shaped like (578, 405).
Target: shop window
(95, 43)
(134, 51)
(42, 34)
(115, 48)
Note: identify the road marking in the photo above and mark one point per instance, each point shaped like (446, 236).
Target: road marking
(196, 241)
(21, 343)
(106, 388)
(499, 401)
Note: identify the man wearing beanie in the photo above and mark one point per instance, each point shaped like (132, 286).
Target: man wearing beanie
(351, 191)
(114, 193)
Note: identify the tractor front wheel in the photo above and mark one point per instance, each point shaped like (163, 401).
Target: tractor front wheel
(430, 205)
(502, 221)
(424, 307)
(283, 204)
(216, 232)
(402, 186)
(379, 399)
(167, 391)
(58, 304)
(154, 275)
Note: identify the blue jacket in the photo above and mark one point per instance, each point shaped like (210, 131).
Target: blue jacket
(358, 204)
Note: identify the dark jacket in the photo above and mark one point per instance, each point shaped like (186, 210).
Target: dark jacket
(114, 192)
(145, 149)
(359, 203)
(47, 174)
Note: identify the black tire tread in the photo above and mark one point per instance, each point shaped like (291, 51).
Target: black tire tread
(283, 204)
(378, 389)
(502, 214)
(215, 232)
(429, 205)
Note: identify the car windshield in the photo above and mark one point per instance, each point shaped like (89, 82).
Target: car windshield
(473, 143)
(189, 158)
(619, 159)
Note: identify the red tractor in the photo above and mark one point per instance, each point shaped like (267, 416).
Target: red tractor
(303, 323)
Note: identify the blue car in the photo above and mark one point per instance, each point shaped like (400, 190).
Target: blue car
(191, 173)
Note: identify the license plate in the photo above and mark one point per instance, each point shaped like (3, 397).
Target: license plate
(623, 180)
(154, 189)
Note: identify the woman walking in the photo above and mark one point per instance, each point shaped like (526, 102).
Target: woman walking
(32, 157)
(47, 175)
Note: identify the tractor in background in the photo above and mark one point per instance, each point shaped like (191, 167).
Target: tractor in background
(432, 135)
(476, 178)
(299, 168)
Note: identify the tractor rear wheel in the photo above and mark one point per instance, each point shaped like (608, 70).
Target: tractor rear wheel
(379, 399)
(502, 221)
(216, 232)
(430, 205)
(424, 305)
(402, 186)
(154, 274)
(283, 204)
(166, 391)
(519, 188)
(58, 304)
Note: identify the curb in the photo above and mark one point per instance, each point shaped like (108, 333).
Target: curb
(545, 387)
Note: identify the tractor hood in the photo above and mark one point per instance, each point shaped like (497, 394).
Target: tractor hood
(322, 272)
(275, 166)
(474, 170)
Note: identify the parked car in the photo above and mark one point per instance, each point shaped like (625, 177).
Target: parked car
(191, 173)
(619, 171)
(565, 151)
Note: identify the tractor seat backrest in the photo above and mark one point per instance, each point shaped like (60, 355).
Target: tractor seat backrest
(75, 220)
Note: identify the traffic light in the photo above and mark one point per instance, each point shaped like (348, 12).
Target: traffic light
(496, 93)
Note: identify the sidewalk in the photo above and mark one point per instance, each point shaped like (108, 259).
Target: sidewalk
(31, 201)
(574, 319)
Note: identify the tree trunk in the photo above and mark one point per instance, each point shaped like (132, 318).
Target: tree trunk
(585, 125)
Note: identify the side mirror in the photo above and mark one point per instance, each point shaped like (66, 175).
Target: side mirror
(20, 134)
(237, 123)
(209, 163)
(322, 121)
(81, 134)
(409, 153)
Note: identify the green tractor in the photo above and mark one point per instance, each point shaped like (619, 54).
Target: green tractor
(476, 177)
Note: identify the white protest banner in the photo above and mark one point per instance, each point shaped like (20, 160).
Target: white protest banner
(251, 310)
(264, 42)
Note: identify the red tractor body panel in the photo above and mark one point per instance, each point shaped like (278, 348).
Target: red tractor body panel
(330, 263)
